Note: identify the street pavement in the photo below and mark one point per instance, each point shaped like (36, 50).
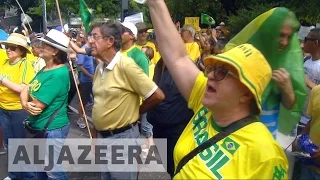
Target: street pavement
(76, 132)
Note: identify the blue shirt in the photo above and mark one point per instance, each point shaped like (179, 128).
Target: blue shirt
(87, 62)
(270, 119)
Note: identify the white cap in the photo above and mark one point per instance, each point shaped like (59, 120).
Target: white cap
(132, 28)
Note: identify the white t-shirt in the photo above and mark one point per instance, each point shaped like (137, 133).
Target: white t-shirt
(312, 70)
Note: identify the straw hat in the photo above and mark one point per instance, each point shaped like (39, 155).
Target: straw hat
(17, 39)
(57, 39)
(253, 69)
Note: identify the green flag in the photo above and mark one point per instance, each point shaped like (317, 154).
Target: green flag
(263, 33)
(206, 19)
(85, 15)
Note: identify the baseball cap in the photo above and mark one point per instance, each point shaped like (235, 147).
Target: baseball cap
(131, 28)
(253, 69)
(141, 26)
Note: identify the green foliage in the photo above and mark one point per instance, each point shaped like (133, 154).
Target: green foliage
(308, 12)
(244, 16)
(193, 8)
(236, 13)
(24, 4)
(135, 7)
(101, 9)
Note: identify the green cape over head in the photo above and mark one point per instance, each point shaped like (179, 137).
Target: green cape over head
(264, 33)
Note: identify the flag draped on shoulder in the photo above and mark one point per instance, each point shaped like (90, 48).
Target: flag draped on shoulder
(85, 15)
(264, 33)
(206, 19)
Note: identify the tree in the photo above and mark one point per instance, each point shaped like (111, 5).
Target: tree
(102, 8)
(244, 16)
(307, 12)
(221, 10)
(25, 4)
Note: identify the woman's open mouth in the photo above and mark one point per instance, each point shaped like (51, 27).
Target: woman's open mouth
(211, 89)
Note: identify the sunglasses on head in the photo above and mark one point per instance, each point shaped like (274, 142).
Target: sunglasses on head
(11, 47)
(219, 72)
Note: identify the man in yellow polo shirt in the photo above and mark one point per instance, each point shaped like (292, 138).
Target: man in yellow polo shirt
(192, 47)
(118, 85)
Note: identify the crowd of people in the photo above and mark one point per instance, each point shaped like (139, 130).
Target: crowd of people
(216, 99)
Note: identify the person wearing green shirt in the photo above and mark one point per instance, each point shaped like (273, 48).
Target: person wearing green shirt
(48, 93)
(129, 49)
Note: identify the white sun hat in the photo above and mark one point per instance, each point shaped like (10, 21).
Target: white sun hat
(57, 39)
(131, 27)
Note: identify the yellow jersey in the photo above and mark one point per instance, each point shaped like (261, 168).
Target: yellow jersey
(20, 72)
(3, 56)
(156, 53)
(249, 153)
(151, 70)
(31, 57)
(314, 112)
(193, 51)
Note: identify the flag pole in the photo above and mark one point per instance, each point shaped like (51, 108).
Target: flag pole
(75, 80)
(59, 14)
(24, 14)
(44, 16)
(79, 96)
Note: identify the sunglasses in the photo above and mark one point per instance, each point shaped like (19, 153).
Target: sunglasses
(142, 31)
(219, 72)
(310, 39)
(11, 47)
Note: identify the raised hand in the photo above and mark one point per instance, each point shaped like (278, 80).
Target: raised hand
(282, 78)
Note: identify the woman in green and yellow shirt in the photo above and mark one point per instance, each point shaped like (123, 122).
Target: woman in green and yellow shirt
(15, 73)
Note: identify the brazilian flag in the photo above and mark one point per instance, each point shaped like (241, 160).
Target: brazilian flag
(264, 33)
(85, 15)
(206, 19)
